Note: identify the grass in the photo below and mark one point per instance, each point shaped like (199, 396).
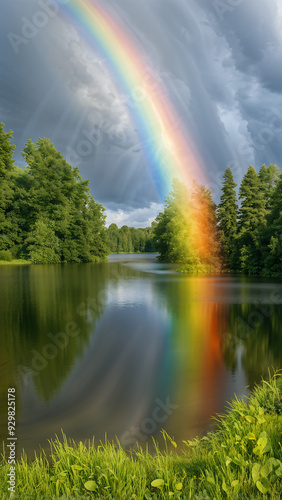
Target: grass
(14, 262)
(241, 460)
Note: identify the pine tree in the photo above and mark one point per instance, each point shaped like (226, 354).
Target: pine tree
(269, 177)
(272, 242)
(252, 212)
(227, 215)
(251, 224)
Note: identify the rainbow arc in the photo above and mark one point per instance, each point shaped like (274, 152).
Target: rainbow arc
(166, 148)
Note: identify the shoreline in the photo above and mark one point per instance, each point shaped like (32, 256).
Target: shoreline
(225, 272)
(15, 262)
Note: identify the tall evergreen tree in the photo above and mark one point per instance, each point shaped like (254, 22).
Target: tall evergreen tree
(272, 242)
(269, 177)
(252, 220)
(227, 215)
(252, 213)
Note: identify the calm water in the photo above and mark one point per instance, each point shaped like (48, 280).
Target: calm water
(129, 347)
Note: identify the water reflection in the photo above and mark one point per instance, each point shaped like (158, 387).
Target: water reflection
(130, 346)
(40, 307)
(226, 331)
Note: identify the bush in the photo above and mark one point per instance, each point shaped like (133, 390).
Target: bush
(6, 255)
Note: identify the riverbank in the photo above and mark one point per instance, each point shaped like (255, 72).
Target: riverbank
(21, 262)
(14, 262)
(242, 459)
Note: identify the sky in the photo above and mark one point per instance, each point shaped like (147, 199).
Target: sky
(217, 63)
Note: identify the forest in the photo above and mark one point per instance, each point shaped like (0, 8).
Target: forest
(130, 239)
(47, 215)
(241, 235)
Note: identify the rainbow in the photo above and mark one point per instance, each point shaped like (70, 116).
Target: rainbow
(165, 147)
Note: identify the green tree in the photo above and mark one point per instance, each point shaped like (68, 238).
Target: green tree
(227, 215)
(252, 220)
(205, 226)
(58, 194)
(113, 234)
(6, 152)
(7, 229)
(272, 241)
(138, 238)
(252, 212)
(173, 229)
(126, 239)
(269, 177)
(42, 243)
(186, 231)
(162, 236)
(149, 238)
(96, 236)
(141, 235)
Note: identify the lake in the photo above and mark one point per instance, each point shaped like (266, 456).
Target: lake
(129, 347)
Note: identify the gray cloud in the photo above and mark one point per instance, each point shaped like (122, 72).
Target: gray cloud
(219, 63)
(140, 217)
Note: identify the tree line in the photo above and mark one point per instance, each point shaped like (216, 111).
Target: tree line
(130, 239)
(250, 234)
(242, 235)
(47, 214)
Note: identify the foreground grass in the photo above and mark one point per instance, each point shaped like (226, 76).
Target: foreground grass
(242, 460)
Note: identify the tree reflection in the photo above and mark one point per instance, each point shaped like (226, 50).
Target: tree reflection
(46, 316)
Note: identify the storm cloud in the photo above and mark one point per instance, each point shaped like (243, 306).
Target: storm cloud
(219, 62)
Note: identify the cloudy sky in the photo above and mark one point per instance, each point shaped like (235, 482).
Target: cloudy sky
(218, 61)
